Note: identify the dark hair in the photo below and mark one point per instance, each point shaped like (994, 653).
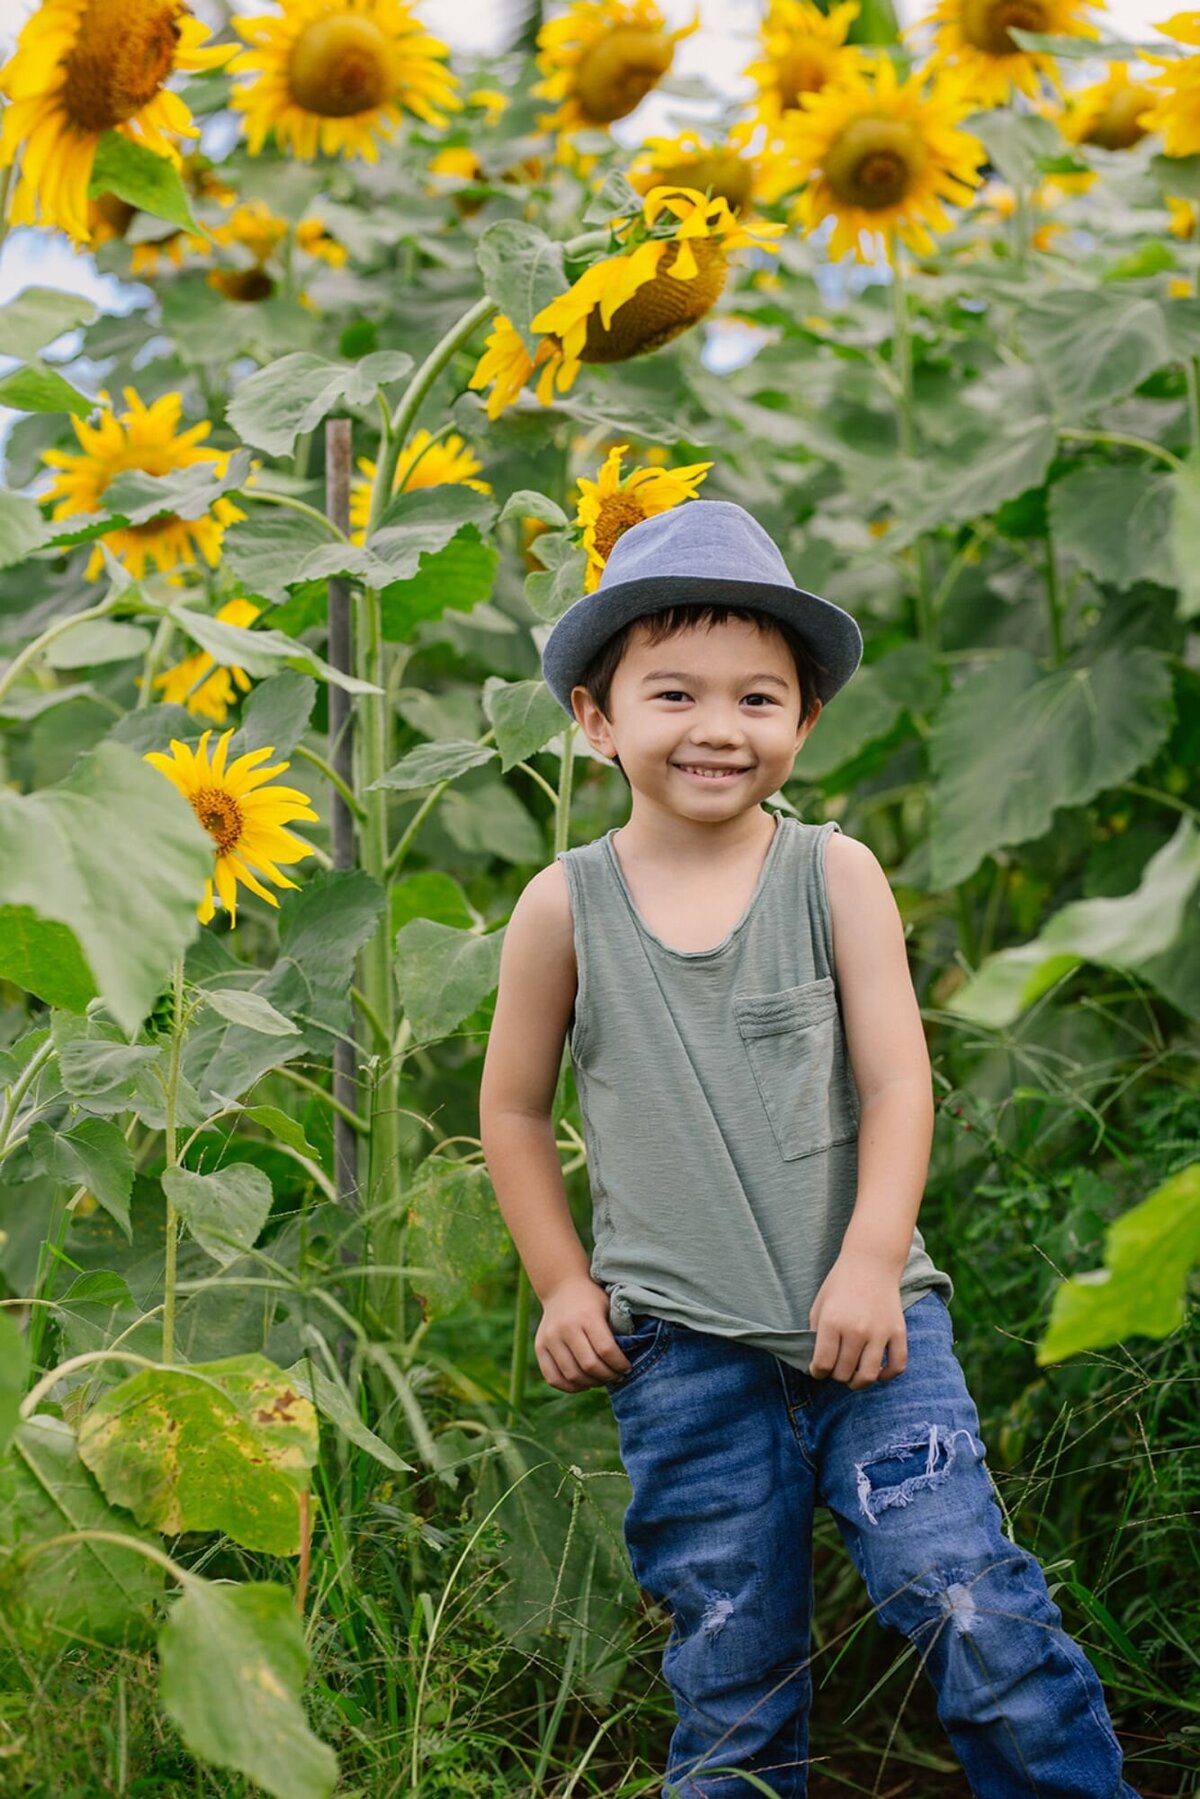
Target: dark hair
(597, 677)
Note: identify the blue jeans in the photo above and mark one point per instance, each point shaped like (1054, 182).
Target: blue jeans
(728, 1450)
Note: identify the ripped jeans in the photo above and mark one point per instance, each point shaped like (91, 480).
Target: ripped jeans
(728, 1450)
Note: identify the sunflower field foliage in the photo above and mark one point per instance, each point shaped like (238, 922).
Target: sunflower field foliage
(407, 336)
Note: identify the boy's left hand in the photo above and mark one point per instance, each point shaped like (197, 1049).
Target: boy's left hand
(857, 1315)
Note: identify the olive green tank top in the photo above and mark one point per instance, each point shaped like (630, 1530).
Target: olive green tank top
(719, 1108)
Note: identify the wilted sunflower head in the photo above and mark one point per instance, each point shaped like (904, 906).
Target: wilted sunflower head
(802, 49)
(880, 157)
(143, 437)
(84, 67)
(611, 505)
(974, 38)
(600, 59)
(243, 816)
(334, 75)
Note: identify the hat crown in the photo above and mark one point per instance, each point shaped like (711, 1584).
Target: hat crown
(707, 539)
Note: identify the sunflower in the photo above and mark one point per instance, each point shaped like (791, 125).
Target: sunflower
(628, 304)
(600, 59)
(803, 49)
(972, 37)
(422, 463)
(143, 437)
(1183, 216)
(244, 818)
(727, 169)
(609, 506)
(1176, 112)
(206, 687)
(881, 157)
(333, 75)
(1108, 113)
(84, 67)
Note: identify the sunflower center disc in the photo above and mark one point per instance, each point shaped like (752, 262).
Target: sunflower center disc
(220, 815)
(124, 52)
(1117, 127)
(339, 67)
(618, 513)
(874, 163)
(986, 24)
(617, 73)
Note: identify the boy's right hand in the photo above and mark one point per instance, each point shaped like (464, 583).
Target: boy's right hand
(574, 1344)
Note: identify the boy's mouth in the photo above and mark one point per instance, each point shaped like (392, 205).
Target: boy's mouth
(710, 771)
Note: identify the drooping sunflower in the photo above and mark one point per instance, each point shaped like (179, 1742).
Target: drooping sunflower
(610, 505)
(670, 270)
(1176, 91)
(881, 157)
(333, 75)
(802, 49)
(84, 67)
(422, 463)
(204, 686)
(244, 817)
(1109, 113)
(143, 437)
(972, 37)
(600, 59)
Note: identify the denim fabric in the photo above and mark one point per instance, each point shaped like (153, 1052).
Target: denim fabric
(729, 1450)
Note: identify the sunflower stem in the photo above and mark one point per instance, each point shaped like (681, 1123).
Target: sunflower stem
(51, 634)
(331, 775)
(292, 504)
(907, 426)
(404, 843)
(172, 1161)
(1193, 395)
(154, 660)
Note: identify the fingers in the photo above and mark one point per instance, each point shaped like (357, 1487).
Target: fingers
(574, 1362)
(857, 1359)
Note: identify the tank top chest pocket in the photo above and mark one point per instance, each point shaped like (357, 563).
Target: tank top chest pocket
(796, 1049)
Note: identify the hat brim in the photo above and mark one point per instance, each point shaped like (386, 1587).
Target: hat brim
(586, 626)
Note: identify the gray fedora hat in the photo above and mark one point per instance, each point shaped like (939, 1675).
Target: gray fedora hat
(693, 555)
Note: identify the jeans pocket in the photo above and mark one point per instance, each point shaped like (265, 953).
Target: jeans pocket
(641, 1347)
(796, 1049)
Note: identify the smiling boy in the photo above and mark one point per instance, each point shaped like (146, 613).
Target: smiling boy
(757, 1107)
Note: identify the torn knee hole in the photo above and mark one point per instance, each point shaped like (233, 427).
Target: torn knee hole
(897, 1474)
(717, 1613)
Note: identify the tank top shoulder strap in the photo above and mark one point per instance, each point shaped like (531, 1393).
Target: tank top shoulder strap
(798, 900)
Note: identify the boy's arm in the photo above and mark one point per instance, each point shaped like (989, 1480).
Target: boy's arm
(574, 1343)
(857, 1313)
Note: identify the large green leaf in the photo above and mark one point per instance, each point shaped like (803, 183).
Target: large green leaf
(1115, 522)
(1093, 345)
(1185, 535)
(456, 1232)
(1123, 932)
(275, 715)
(91, 1154)
(267, 550)
(430, 763)
(14, 1370)
(233, 1661)
(453, 579)
(140, 178)
(220, 1446)
(44, 959)
(1149, 1254)
(89, 1589)
(906, 680)
(522, 271)
(490, 820)
(250, 1009)
(524, 715)
(443, 974)
(273, 407)
(37, 316)
(225, 1211)
(22, 528)
(41, 389)
(334, 1403)
(261, 652)
(137, 497)
(415, 524)
(1011, 745)
(131, 913)
(99, 641)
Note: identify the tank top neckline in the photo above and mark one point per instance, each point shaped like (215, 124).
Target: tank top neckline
(697, 955)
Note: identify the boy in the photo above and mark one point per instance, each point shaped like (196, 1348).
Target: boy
(756, 1097)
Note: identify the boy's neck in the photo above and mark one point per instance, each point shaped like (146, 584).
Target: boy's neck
(653, 834)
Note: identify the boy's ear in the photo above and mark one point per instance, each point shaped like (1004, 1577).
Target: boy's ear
(803, 730)
(592, 722)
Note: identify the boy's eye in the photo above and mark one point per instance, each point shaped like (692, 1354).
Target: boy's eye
(676, 693)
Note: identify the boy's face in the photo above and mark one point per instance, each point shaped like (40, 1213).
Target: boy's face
(723, 698)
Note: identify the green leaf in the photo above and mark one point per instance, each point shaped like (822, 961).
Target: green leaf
(334, 1403)
(906, 680)
(560, 582)
(522, 271)
(280, 1125)
(98, 1068)
(1093, 345)
(251, 1010)
(430, 763)
(528, 504)
(92, 1154)
(14, 1372)
(99, 641)
(1149, 1254)
(443, 974)
(1016, 142)
(37, 316)
(971, 477)
(137, 497)
(524, 715)
(22, 529)
(1123, 932)
(275, 715)
(415, 524)
(1178, 175)
(273, 407)
(456, 1232)
(94, 1590)
(431, 894)
(219, 1446)
(44, 959)
(1011, 745)
(40, 389)
(490, 820)
(132, 915)
(617, 198)
(260, 652)
(454, 578)
(225, 1211)
(232, 1662)
(266, 550)
(1185, 534)
(1115, 521)
(140, 178)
